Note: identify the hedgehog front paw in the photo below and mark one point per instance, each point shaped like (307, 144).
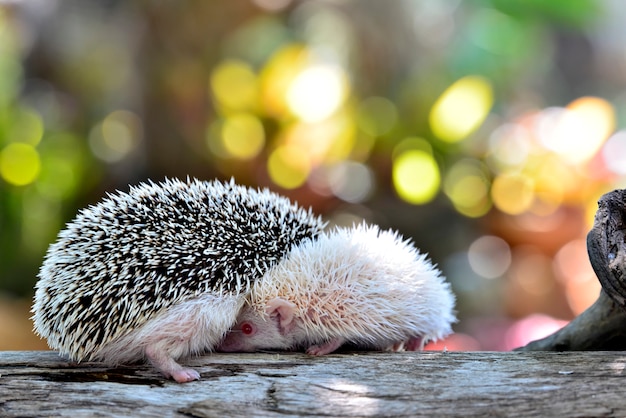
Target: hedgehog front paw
(185, 375)
(327, 347)
(168, 367)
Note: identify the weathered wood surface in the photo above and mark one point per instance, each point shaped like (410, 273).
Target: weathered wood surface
(521, 384)
(606, 245)
(601, 327)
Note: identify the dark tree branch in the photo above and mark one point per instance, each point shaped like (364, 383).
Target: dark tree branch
(601, 327)
(607, 247)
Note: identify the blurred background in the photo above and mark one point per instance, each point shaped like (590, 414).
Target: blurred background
(484, 130)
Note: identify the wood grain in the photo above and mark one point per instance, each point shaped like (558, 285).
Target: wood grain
(521, 384)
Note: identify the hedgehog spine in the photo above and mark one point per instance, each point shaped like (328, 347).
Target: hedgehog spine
(361, 285)
(142, 258)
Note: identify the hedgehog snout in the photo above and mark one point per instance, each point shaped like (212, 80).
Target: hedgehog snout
(254, 331)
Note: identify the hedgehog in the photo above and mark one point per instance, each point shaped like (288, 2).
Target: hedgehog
(360, 286)
(160, 273)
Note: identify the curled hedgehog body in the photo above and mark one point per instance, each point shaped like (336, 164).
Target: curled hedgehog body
(360, 286)
(161, 272)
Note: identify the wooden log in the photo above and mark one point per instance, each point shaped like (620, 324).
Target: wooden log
(601, 326)
(521, 384)
(606, 244)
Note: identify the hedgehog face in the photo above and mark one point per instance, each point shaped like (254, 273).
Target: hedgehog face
(275, 329)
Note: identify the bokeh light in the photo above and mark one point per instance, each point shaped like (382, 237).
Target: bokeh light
(234, 86)
(531, 328)
(351, 181)
(329, 141)
(277, 76)
(467, 186)
(509, 146)
(243, 135)
(512, 193)
(614, 153)
(577, 131)
(116, 136)
(489, 256)
(317, 92)
(455, 342)
(416, 176)
(27, 126)
(461, 108)
(574, 271)
(19, 163)
(288, 166)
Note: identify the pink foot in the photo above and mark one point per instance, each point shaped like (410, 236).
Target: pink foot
(185, 375)
(168, 367)
(328, 347)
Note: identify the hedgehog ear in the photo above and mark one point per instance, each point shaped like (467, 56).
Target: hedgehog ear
(285, 312)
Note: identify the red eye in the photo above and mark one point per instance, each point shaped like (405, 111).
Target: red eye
(246, 328)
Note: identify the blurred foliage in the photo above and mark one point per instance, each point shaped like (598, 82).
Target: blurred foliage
(452, 121)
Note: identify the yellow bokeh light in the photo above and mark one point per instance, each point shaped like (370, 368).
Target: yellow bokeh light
(19, 163)
(579, 130)
(552, 181)
(317, 92)
(416, 176)
(470, 196)
(467, 187)
(556, 181)
(278, 75)
(512, 193)
(461, 109)
(343, 139)
(288, 167)
(234, 86)
(330, 140)
(243, 136)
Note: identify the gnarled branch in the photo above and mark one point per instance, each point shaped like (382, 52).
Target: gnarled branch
(601, 326)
